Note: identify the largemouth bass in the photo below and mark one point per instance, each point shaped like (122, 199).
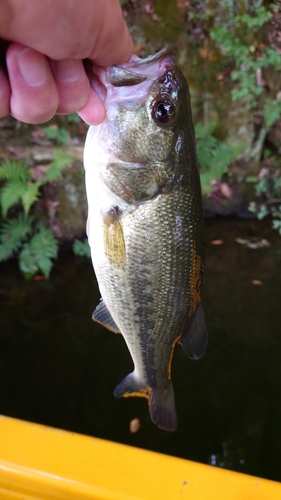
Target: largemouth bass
(145, 223)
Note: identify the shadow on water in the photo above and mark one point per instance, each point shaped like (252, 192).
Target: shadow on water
(59, 368)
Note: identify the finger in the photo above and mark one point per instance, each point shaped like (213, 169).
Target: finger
(93, 113)
(93, 29)
(5, 93)
(34, 97)
(106, 51)
(72, 85)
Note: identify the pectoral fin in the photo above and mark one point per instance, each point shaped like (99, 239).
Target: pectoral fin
(114, 243)
(102, 315)
(195, 340)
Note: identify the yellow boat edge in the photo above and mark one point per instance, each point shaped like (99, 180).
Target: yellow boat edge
(40, 462)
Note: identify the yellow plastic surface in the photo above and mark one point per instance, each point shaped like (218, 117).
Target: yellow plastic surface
(38, 462)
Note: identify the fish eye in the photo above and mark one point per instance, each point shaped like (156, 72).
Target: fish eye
(163, 110)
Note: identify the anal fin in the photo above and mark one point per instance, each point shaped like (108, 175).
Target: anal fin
(195, 340)
(102, 315)
(131, 386)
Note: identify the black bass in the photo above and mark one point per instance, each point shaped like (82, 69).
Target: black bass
(145, 223)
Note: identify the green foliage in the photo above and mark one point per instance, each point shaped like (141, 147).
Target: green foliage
(19, 185)
(73, 118)
(58, 134)
(271, 112)
(262, 15)
(37, 253)
(11, 194)
(81, 248)
(36, 245)
(214, 155)
(237, 41)
(268, 188)
(61, 160)
(13, 233)
(241, 41)
(12, 170)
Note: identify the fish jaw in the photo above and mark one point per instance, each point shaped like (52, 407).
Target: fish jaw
(112, 87)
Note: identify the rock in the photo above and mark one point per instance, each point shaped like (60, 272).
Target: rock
(67, 204)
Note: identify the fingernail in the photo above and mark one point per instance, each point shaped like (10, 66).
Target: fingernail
(68, 70)
(33, 67)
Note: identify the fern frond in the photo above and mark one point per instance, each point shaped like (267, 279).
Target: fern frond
(205, 150)
(12, 235)
(60, 135)
(206, 178)
(12, 170)
(271, 112)
(222, 157)
(60, 161)
(81, 248)
(11, 194)
(45, 242)
(202, 131)
(30, 195)
(27, 261)
(37, 254)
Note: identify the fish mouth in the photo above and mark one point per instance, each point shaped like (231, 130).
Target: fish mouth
(138, 70)
(131, 82)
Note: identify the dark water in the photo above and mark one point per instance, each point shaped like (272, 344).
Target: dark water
(59, 368)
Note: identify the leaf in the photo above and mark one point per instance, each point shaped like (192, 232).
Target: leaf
(12, 170)
(205, 150)
(271, 112)
(30, 195)
(202, 131)
(37, 254)
(60, 135)
(222, 157)
(61, 160)
(73, 118)
(12, 235)
(27, 261)
(206, 178)
(11, 194)
(81, 248)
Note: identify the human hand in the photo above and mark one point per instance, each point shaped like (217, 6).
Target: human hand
(44, 71)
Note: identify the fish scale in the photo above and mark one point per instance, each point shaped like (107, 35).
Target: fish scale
(145, 226)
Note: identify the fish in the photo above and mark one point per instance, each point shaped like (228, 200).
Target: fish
(145, 223)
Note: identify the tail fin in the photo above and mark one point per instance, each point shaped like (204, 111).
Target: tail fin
(162, 408)
(161, 400)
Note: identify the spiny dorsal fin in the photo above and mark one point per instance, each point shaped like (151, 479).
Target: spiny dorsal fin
(195, 340)
(102, 315)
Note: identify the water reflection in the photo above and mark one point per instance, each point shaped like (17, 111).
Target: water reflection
(59, 368)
